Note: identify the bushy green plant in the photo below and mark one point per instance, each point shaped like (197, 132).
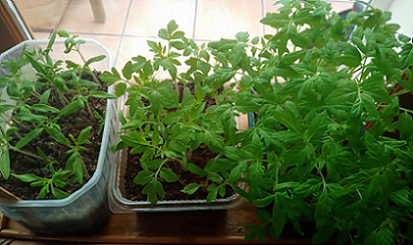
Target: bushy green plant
(32, 79)
(309, 154)
(163, 128)
(311, 90)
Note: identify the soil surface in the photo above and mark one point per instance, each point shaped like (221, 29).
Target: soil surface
(200, 157)
(71, 124)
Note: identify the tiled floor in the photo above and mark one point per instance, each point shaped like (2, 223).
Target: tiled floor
(130, 23)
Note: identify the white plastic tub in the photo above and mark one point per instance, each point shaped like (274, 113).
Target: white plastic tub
(86, 209)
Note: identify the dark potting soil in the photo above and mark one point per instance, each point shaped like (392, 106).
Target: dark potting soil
(200, 157)
(71, 124)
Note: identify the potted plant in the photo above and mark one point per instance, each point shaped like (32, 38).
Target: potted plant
(174, 132)
(309, 158)
(54, 134)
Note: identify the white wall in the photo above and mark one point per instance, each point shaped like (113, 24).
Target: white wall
(402, 13)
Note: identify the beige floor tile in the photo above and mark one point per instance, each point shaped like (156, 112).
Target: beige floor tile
(223, 19)
(341, 6)
(132, 47)
(79, 17)
(41, 35)
(110, 42)
(147, 17)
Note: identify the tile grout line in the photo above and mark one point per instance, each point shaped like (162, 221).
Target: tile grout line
(122, 34)
(195, 15)
(262, 16)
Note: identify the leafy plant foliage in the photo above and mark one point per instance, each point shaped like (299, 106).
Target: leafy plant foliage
(312, 91)
(164, 128)
(31, 109)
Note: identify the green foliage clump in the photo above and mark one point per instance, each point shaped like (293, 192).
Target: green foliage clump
(32, 79)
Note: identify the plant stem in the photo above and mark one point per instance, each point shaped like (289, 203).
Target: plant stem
(24, 152)
(84, 167)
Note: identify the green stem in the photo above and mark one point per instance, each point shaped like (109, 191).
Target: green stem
(84, 167)
(24, 152)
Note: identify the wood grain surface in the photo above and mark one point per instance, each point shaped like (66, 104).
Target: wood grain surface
(197, 227)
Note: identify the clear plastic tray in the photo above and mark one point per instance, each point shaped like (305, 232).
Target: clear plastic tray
(119, 204)
(86, 209)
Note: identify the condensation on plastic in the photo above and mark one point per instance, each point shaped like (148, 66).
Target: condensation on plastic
(118, 203)
(86, 209)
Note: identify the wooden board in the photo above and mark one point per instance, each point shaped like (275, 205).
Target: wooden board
(198, 227)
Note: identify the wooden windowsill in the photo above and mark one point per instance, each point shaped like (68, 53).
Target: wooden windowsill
(197, 227)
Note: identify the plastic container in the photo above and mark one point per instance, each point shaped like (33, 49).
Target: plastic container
(86, 209)
(119, 204)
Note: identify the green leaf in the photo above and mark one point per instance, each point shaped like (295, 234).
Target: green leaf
(120, 89)
(45, 189)
(59, 194)
(163, 33)
(255, 40)
(172, 26)
(236, 172)
(69, 109)
(127, 70)
(31, 135)
(213, 192)
(51, 41)
(29, 117)
(242, 36)
(94, 59)
(264, 202)
(153, 189)
(45, 97)
(110, 78)
(405, 126)
(44, 108)
(36, 65)
(191, 188)
(27, 177)
(168, 175)
(144, 177)
(178, 45)
(81, 139)
(57, 135)
(102, 95)
(5, 163)
(214, 177)
(257, 231)
(196, 170)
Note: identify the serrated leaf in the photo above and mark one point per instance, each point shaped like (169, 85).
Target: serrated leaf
(213, 192)
(153, 189)
(143, 177)
(191, 188)
(59, 194)
(168, 175)
(242, 36)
